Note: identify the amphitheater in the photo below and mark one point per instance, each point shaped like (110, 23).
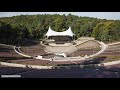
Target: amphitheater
(47, 55)
(60, 50)
(77, 53)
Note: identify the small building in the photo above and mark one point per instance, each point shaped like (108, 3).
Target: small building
(65, 36)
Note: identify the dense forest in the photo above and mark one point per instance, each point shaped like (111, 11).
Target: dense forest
(17, 29)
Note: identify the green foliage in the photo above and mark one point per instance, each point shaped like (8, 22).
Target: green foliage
(107, 31)
(17, 29)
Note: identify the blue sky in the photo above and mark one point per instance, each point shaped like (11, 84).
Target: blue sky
(101, 15)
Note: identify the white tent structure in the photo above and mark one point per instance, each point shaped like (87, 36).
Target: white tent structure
(64, 33)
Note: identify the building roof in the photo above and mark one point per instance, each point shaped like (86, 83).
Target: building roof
(64, 33)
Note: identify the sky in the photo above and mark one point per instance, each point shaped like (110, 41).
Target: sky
(100, 15)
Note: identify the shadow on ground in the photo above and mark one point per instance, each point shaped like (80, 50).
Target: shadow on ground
(30, 43)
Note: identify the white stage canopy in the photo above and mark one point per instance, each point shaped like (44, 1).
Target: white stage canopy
(64, 33)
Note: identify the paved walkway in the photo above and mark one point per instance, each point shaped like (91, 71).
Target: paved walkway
(18, 50)
(58, 49)
(72, 59)
(113, 43)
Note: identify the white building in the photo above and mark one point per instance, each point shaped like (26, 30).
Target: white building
(60, 36)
